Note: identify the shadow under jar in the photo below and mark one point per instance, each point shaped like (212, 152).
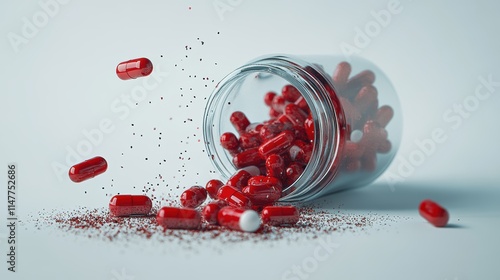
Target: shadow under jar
(347, 127)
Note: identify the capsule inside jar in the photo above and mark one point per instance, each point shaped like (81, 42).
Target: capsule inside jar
(307, 111)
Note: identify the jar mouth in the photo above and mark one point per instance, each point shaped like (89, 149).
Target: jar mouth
(327, 115)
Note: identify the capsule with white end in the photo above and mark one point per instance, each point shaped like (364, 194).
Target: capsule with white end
(239, 219)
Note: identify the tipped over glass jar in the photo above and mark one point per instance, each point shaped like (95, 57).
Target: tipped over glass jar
(317, 123)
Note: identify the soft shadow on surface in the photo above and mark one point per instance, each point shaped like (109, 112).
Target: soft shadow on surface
(407, 196)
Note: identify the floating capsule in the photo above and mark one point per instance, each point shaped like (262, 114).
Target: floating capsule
(134, 68)
(87, 169)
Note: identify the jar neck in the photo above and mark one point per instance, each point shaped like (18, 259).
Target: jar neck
(329, 121)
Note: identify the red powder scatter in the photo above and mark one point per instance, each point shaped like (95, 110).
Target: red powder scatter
(99, 224)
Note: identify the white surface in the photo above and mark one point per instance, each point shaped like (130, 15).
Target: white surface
(61, 84)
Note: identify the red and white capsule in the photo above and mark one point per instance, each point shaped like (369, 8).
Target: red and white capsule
(178, 218)
(193, 197)
(87, 169)
(134, 68)
(239, 219)
(280, 215)
(124, 205)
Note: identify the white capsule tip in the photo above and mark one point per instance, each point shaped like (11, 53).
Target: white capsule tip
(249, 221)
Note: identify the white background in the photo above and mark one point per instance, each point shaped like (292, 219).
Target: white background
(58, 82)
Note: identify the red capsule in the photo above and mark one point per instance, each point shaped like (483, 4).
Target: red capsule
(123, 205)
(302, 103)
(254, 128)
(87, 169)
(278, 103)
(193, 197)
(211, 210)
(269, 131)
(309, 128)
(373, 135)
(268, 98)
(341, 75)
(239, 179)
(295, 114)
(434, 213)
(384, 147)
(240, 121)
(262, 194)
(178, 218)
(275, 166)
(384, 115)
(248, 157)
(213, 187)
(134, 68)
(234, 197)
(249, 140)
(265, 181)
(290, 93)
(280, 215)
(229, 141)
(353, 150)
(366, 98)
(278, 144)
(355, 83)
(239, 219)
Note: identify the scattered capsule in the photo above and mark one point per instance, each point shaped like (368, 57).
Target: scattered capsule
(355, 83)
(134, 68)
(433, 213)
(87, 169)
(234, 197)
(193, 197)
(123, 205)
(211, 210)
(239, 219)
(178, 218)
(280, 215)
(213, 187)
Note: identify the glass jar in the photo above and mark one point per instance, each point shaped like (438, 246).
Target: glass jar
(351, 104)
